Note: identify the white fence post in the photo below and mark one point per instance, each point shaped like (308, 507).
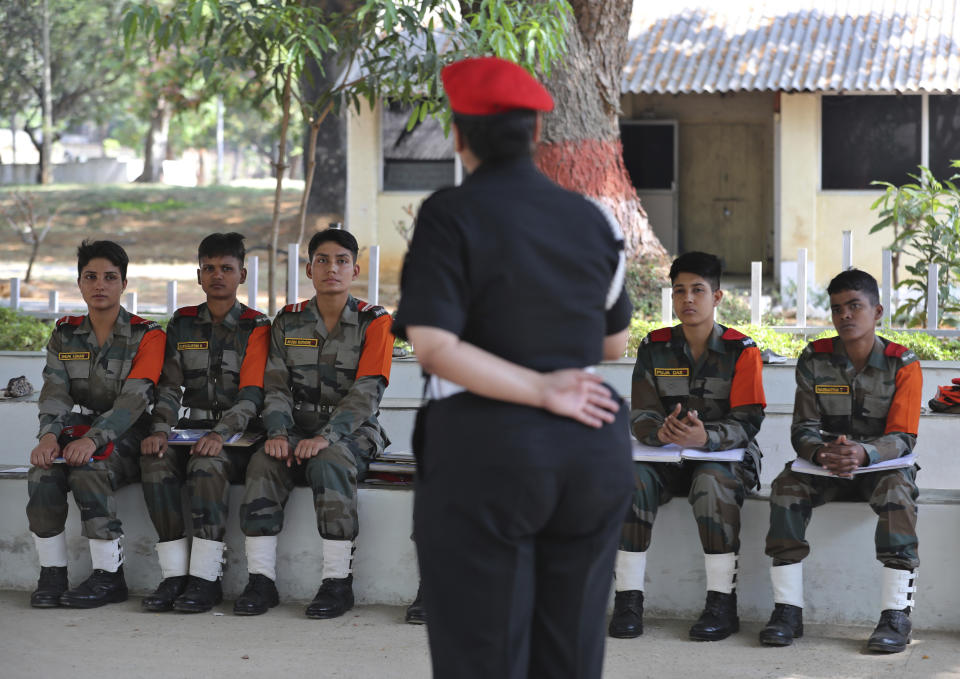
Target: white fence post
(802, 288)
(54, 301)
(132, 302)
(933, 293)
(666, 305)
(886, 296)
(14, 293)
(373, 276)
(293, 272)
(846, 260)
(171, 297)
(756, 280)
(253, 283)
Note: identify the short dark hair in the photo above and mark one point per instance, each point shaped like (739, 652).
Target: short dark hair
(105, 249)
(855, 279)
(222, 245)
(502, 136)
(702, 264)
(339, 236)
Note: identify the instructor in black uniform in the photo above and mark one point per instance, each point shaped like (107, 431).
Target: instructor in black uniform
(511, 288)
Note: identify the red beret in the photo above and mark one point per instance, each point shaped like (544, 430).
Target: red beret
(489, 85)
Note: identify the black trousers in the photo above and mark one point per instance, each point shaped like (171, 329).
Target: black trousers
(517, 515)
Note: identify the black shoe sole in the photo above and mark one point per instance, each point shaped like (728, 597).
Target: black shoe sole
(624, 635)
(193, 608)
(51, 603)
(327, 615)
(249, 611)
(112, 598)
(888, 648)
(156, 608)
(415, 620)
(714, 636)
(780, 641)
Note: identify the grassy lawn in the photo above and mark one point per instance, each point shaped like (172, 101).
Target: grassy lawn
(159, 226)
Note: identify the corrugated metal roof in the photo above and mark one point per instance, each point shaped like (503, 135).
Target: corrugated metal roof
(804, 45)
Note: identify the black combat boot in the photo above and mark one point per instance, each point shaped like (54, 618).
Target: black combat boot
(416, 612)
(161, 599)
(785, 625)
(334, 598)
(627, 620)
(892, 633)
(50, 587)
(102, 587)
(719, 618)
(258, 596)
(199, 596)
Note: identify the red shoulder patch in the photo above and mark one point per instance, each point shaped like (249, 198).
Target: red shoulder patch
(731, 334)
(70, 320)
(137, 320)
(823, 346)
(250, 314)
(661, 335)
(895, 350)
(189, 310)
(375, 309)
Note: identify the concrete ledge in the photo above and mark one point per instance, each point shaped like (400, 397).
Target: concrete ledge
(842, 578)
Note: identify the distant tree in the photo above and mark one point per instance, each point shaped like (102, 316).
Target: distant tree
(88, 68)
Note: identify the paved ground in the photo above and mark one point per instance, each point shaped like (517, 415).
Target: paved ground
(372, 642)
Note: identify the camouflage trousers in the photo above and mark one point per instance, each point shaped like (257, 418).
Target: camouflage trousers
(715, 491)
(891, 494)
(207, 480)
(93, 486)
(332, 475)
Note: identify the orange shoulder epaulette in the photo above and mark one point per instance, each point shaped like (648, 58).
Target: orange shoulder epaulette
(70, 320)
(895, 350)
(823, 346)
(661, 335)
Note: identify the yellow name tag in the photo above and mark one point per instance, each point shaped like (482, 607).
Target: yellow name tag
(832, 389)
(187, 346)
(74, 356)
(300, 342)
(671, 372)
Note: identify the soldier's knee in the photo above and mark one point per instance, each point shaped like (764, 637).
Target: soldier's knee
(203, 466)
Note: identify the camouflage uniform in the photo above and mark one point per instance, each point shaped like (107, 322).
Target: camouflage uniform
(220, 367)
(112, 384)
(320, 384)
(726, 390)
(879, 407)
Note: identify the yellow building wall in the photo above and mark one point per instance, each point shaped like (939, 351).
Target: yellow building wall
(372, 214)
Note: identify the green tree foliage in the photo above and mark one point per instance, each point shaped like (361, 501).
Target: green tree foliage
(383, 49)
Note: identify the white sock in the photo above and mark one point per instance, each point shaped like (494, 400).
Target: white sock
(630, 570)
(206, 559)
(262, 555)
(337, 555)
(721, 572)
(106, 555)
(52, 552)
(897, 589)
(787, 584)
(173, 556)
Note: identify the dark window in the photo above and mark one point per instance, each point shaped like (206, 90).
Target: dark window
(944, 134)
(868, 138)
(420, 159)
(648, 153)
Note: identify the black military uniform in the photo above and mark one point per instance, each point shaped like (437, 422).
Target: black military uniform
(517, 511)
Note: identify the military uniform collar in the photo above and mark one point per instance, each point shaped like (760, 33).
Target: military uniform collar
(229, 321)
(714, 341)
(348, 316)
(121, 327)
(875, 359)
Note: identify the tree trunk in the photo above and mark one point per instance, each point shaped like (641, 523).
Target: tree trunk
(580, 147)
(327, 190)
(311, 166)
(46, 172)
(155, 143)
(279, 168)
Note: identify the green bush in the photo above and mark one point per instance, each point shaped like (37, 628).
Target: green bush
(643, 280)
(20, 332)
